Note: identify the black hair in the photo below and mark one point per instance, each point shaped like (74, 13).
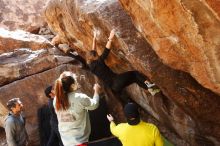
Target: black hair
(93, 53)
(47, 91)
(12, 103)
(131, 113)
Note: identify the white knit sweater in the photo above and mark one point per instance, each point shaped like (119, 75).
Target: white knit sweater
(74, 124)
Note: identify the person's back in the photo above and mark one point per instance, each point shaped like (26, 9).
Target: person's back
(142, 134)
(54, 138)
(135, 132)
(101, 70)
(74, 122)
(53, 116)
(44, 128)
(72, 108)
(116, 81)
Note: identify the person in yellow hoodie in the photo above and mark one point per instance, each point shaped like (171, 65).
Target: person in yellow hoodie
(135, 132)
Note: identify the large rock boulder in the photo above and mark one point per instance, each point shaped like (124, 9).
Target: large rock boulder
(184, 106)
(25, 62)
(31, 91)
(25, 54)
(10, 40)
(29, 63)
(185, 34)
(21, 14)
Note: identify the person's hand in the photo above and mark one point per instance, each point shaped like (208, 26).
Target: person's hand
(110, 118)
(56, 40)
(112, 34)
(94, 34)
(97, 87)
(64, 47)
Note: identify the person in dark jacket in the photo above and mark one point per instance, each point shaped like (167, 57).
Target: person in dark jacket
(111, 79)
(54, 135)
(16, 134)
(96, 64)
(43, 115)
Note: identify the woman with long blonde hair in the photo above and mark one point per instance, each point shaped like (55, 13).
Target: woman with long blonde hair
(72, 108)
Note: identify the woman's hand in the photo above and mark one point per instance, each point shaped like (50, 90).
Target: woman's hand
(97, 88)
(94, 35)
(110, 118)
(94, 40)
(112, 34)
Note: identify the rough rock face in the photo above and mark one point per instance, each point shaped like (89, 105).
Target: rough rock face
(187, 109)
(10, 40)
(27, 68)
(18, 60)
(185, 34)
(25, 59)
(21, 14)
(31, 92)
(25, 62)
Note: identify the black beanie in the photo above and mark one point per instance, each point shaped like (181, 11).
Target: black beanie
(132, 114)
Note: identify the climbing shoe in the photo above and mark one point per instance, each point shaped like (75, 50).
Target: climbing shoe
(153, 91)
(149, 85)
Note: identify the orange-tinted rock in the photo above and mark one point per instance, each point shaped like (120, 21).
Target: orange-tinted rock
(21, 14)
(25, 62)
(10, 40)
(31, 91)
(215, 5)
(185, 34)
(185, 107)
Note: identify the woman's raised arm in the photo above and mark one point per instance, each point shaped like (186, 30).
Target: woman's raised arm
(110, 38)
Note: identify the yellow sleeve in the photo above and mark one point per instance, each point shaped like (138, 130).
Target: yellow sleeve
(158, 138)
(114, 129)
